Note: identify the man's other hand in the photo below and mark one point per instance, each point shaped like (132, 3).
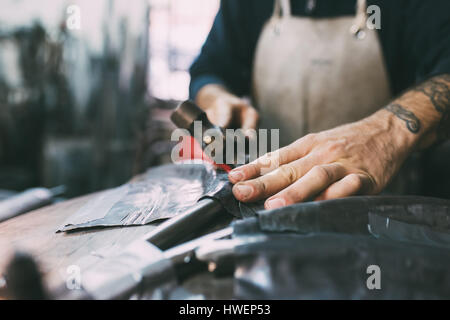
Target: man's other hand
(225, 109)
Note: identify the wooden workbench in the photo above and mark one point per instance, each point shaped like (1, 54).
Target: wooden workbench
(35, 233)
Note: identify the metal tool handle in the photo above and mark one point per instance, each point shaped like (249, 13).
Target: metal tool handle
(205, 213)
(27, 201)
(24, 202)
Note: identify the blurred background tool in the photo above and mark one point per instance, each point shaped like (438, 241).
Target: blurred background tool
(23, 279)
(28, 200)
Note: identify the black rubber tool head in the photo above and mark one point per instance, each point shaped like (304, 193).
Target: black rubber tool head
(185, 114)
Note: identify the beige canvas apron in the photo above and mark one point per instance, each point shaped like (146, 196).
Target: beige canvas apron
(315, 74)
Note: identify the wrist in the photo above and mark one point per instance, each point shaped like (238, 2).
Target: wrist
(394, 132)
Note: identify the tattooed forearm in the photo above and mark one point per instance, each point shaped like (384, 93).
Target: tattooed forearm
(412, 122)
(438, 91)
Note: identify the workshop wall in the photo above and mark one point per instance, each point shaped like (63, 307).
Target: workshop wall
(77, 100)
(71, 96)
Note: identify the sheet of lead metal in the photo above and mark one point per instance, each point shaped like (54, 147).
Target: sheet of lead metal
(162, 193)
(94, 209)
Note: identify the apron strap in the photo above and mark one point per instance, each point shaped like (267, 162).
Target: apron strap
(282, 8)
(361, 17)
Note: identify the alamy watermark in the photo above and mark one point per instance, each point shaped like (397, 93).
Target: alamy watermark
(374, 17)
(73, 21)
(73, 277)
(374, 280)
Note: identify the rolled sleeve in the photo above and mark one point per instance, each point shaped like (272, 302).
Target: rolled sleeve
(200, 81)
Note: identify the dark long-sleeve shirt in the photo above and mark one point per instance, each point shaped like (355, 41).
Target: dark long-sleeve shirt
(414, 34)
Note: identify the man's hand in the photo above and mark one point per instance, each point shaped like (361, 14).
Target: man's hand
(225, 109)
(354, 159)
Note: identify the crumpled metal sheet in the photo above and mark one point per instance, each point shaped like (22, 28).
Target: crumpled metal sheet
(322, 250)
(161, 193)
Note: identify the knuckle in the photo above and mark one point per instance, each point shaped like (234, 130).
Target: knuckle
(250, 170)
(294, 195)
(261, 186)
(310, 137)
(265, 160)
(281, 156)
(335, 146)
(288, 173)
(354, 181)
(270, 160)
(321, 173)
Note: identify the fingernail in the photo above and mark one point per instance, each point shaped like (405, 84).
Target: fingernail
(244, 191)
(275, 203)
(236, 175)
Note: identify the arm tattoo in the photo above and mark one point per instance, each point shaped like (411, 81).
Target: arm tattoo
(438, 90)
(412, 122)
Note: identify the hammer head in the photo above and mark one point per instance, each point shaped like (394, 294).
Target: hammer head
(184, 117)
(186, 113)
